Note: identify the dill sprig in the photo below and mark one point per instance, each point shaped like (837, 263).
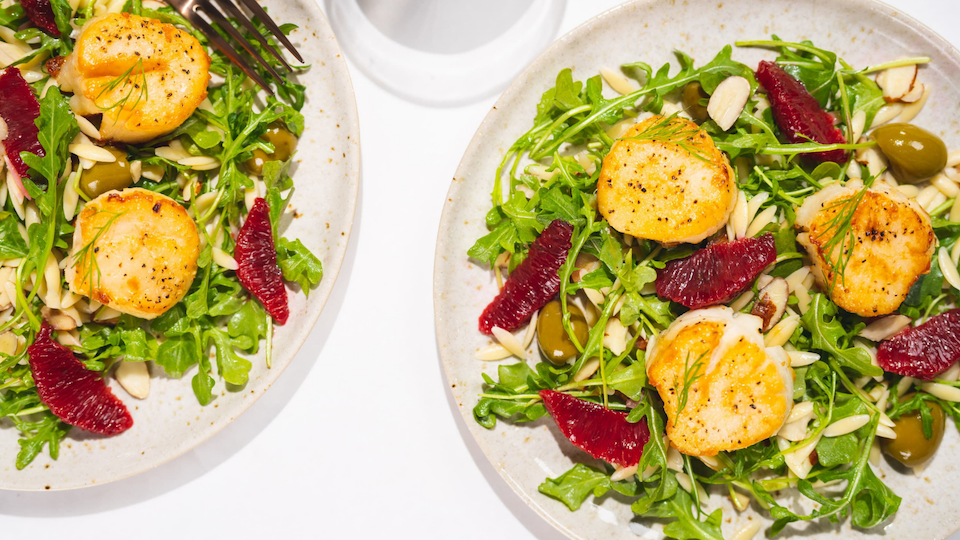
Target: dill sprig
(839, 229)
(85, 258)
(691, 372)
(137, 89)
(668, 130)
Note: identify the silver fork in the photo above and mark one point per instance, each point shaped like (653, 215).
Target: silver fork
(191, 10)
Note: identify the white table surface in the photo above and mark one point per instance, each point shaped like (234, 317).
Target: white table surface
(359, 438)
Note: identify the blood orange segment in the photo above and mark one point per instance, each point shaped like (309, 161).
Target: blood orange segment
(40, 13)
(603, 433)
(797, 113)
(532, 283)
(19, 110)
(75, 394)
(257, 260)
(924, 351)
(715, 274)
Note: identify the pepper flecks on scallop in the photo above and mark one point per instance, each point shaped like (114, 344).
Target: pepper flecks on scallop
(893, 243)
(146, 77)
(133, 250)
(722, 389)
(665, 180)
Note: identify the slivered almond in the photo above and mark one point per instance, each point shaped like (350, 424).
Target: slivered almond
(857, 124)
(871, 157)
(887, 113)
(509, 341)
(771, 302)
(728, 100)
(134, 377)
(885, 327)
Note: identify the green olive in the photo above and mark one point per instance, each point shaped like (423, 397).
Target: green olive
(283, 143)
(103, 177)
(911, 447)
(914, 153)
(555, 344)
(692, 94)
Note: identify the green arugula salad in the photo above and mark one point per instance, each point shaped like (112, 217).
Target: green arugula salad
(146, 181)
(735, 281)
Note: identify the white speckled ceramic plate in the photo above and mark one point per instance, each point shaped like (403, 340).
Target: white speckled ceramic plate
(327, 177)
(862, 31)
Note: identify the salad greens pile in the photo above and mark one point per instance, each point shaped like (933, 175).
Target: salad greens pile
(545, 175)
(217, 314)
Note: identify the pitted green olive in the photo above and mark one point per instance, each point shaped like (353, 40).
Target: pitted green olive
(911, 447)
(283, 143)
(555, 344)
(692, 94)
(104, 177)
(914, 153)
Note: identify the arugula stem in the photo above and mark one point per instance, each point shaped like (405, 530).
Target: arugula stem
(897, 63)
(268, 349)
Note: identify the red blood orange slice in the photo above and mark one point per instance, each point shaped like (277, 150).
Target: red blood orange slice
(603, 433)
(715, 274)
(532, 283)
(75, 394)
(924, 351)
(257, 259)
(797, 113)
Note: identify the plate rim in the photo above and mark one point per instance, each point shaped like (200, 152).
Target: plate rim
(447, 359)
(331, 271)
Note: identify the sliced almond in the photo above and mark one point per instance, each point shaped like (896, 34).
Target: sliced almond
(896, 82)
(57, 319)
(771, 302)
(915, 93)
(885, 327)
(134, 377)
(728, 100)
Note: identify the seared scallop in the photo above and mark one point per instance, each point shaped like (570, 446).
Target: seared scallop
(885, 244)
(135, 251)
(665, 180)
(722, 389)
(146, 77)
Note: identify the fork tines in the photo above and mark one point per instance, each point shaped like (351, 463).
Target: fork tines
(191, 10)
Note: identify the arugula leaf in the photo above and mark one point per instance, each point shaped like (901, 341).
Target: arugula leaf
(47, 431)
(58, 126)
(177, 354)
(12, 245)
(833, 451)
(202, 382)
(827, 333)
(298, 264)
(687, 526)
(247, 326)
(232, 367)
(10, 15)
(574, 486)
(651, 306)
(629, 380)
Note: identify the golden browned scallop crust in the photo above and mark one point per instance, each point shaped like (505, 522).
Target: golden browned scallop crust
(893, 245)
(738, 392)
(135, 251)
(681, 189)
(146, 77)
